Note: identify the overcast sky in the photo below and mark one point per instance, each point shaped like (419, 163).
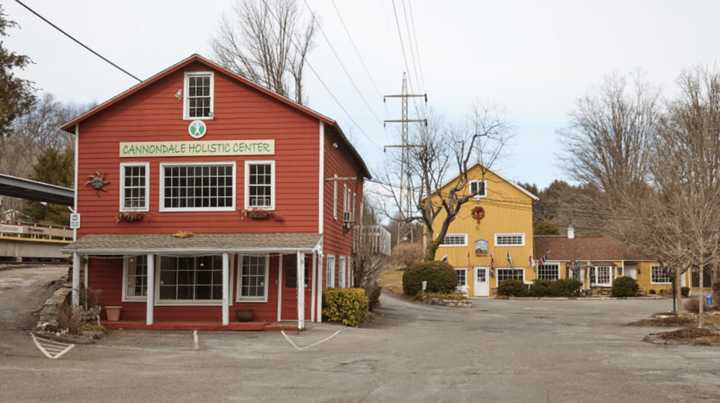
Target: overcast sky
(531, 58)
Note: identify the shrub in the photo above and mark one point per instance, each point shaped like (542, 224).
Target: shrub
(373, 293)
(512, 288)
(624, 287)
(453, 296)
(348, 306)
(685, 291)
(557, 288)
(440, 277)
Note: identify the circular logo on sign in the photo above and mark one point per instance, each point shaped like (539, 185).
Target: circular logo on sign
(197, 129)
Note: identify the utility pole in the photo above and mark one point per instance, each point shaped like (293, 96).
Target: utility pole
(405, 196)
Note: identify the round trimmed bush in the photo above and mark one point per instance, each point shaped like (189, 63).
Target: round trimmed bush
(512, 288)
(566, 288)
(541, 288)
(624, 287)
(440, 277)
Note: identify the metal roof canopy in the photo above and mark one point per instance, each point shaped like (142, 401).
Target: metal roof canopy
(33, 190)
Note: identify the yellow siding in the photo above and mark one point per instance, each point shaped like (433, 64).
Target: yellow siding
(507, 210)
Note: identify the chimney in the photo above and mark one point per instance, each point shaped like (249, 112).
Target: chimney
(571, 232)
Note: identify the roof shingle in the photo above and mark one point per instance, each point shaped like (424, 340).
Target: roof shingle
(557, 247)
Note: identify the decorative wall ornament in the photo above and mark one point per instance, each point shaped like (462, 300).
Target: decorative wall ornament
(478, 213)
(197, 129)
(97, 182)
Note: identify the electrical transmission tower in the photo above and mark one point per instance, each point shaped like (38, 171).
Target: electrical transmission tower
(406, 193)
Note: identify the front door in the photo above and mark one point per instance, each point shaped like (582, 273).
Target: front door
(482, 286)
(630, 271)
(289, 287)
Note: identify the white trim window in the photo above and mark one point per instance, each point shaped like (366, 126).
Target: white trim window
(601, 276)
(548, 271)
(510, 239)
(252, 282)
(134, 278)
(454, 240)
(479, 187)
(198, 99)
(461, 275)
(660, 275)
(342, 274)
(187, 280)
(330, 271)
(197, 186)
(260, 185)
(509, 274)
(134, 186)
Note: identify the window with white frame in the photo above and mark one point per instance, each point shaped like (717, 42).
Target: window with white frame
(514, 239)
(135, 278)
(548, 271)
(478, 188)
(341, 272)
(331, 271)
(601, 276)
(134, 186)
(198, 100)
(461, 275)
(190, 279)
(335, 196)
(260, 185)
(252, 278)
(454, 240)
(509, 274)
(202, 187)
(661, 275)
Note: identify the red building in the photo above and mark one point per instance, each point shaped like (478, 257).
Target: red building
(201, 194)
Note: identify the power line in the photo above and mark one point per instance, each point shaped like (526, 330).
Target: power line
(402, 44)
(327, 88)
(357, 50)
(347, 73)
(410, 42)
(77, 41)
(417, 46)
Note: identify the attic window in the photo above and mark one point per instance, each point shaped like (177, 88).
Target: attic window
(478, 188)
(198, 100)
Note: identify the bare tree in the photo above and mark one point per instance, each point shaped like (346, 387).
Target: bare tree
(267, 41)
(608, 143)
(439, 151)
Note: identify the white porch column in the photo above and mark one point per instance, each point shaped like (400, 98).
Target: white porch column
(85, 266)
(313, 288)
(76, 279)
(320, 287)
(301, 290)
(226, 289)
(150, 293)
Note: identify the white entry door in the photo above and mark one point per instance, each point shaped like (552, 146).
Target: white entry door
(482, 283)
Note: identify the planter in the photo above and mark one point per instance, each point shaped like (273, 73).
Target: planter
(258, 214)
(113, 313)
(245, 315)
(130, 217)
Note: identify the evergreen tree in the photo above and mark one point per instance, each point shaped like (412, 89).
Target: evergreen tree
(56, 167)
(16, 95)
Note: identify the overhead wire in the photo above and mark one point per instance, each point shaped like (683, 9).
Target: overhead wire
(88, 48)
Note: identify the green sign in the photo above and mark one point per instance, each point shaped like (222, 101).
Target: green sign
(196, 148)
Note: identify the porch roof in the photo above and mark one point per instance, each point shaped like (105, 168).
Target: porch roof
(594, 248)
(129, 244)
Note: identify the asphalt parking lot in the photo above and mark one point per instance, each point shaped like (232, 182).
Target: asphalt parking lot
(505, 351)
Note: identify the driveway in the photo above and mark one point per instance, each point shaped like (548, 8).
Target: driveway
(504, 351)
(23, 291)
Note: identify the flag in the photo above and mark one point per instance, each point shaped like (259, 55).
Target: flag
(492, 263)
(509, 259)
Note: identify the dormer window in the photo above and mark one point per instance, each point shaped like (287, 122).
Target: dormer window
(198, 96)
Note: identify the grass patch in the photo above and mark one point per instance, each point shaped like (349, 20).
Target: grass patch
(391, 280)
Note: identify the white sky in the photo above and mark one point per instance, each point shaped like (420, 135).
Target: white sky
(531, 58)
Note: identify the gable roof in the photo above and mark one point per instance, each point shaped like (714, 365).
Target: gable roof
(196, 58)
(513, 184)
(560, 247)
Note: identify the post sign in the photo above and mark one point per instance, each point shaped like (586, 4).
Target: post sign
(74, 220)
(196, 148)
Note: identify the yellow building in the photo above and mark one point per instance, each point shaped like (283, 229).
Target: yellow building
(491, 239)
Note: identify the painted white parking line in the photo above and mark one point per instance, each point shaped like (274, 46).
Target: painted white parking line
(50, 348)
(196, 340)
(298, 348)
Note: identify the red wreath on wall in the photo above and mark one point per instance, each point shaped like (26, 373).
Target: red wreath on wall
(478, 213)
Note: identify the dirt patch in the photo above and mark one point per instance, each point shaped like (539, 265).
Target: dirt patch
(688, 335)
(664, 320)
(391, 280)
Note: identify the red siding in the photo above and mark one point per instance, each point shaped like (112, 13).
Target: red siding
(155, 114)
(337, 241)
